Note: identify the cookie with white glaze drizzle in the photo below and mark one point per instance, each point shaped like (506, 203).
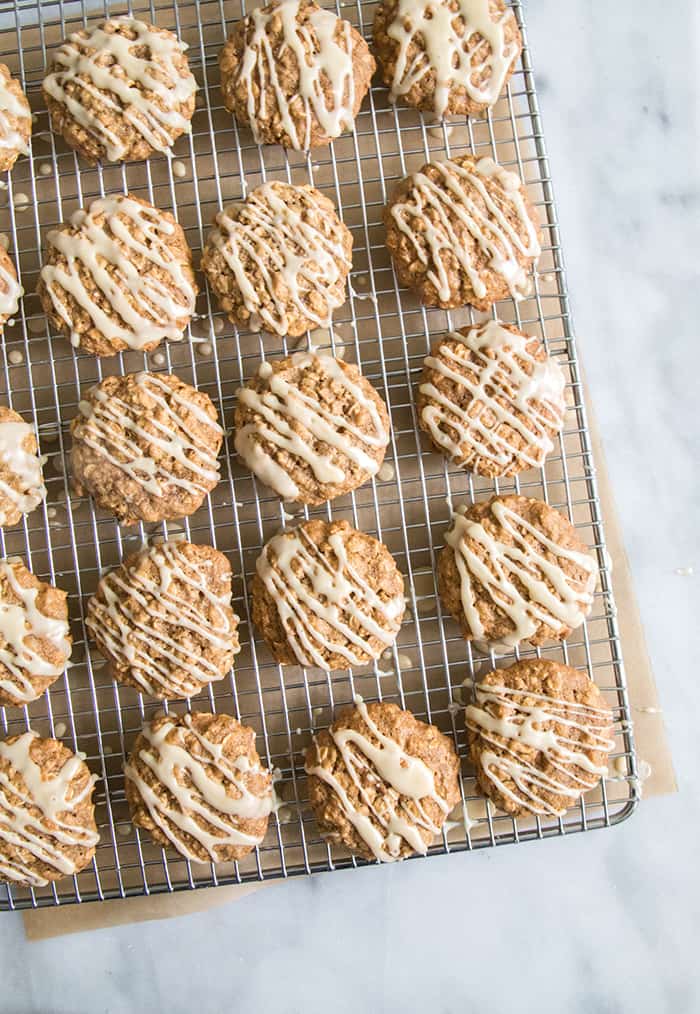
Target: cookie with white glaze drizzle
(15, 120)
(446, 57)
(279, 260)
(295, 74)
(311, 427)
(514, 569)
(145, 447)
(10, 289)
(47, 817)
(381, 782)
(539, 736)
(164, 621)
(120, 90)
(327, 595)
(22, 486)
(491, 399)
(117, 276)
(462, 231)
(195, 783)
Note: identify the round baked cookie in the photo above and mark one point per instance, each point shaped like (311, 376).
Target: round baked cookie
(327, 595)
(10, 289)
(539, 736)
(120, 90)
(381, 782)
(35, 641)
(491, 399)
(15, 120)
(145, 447)
(163, 619)
(514, 569)
(295, 74)
(195, 782)
(47, 817)
(310, 427)
(279, 260)
(446, 57)
(462, 231)
(21, 480)
(118, 275)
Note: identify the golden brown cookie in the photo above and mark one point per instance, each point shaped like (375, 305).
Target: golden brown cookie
(514, 569)
(10, 289)
(295, 74)
(15, 120)
(462, 231)
(195, 783)
(164, 621)
(22, 486)
(327, 595)
(539, 736)
(381, 782)
(310, 427)
(145, 447)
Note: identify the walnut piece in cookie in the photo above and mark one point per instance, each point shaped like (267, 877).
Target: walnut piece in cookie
(539, 736)
(491, 399)
(21, 480)
(381, 782)
(118, 275)
(15, 120)
(47, 817)
(462, 231)
(145, 447)
(164, 621)
(295, 74)
(311, 427)
(279, 261)
(120, 90)
(514, 569)
(195, 782)
(327, 595)
(446, 56)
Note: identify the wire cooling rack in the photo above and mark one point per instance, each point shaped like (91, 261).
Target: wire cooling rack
(408, 505)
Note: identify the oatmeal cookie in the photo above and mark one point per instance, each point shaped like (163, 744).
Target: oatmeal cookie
(118, 276)
(21, 480)
(327, 595)
(145, 447)
(539, 736)
(279, 261)
(295, 74)
(462, 231)
(47, 817)
(381, 782)
(10, 289)
(15, 120)
(514, 569)
(120, 90)
(195, 782)
(164, 621)
(446, 57)
(311, 427)
(491, 399)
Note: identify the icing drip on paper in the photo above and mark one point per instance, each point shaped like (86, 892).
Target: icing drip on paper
(12, 106)
(25, 467)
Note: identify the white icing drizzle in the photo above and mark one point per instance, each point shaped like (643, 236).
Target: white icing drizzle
(18, 621)
(24, 466)
(564, 605)
(44, 836)
(147, 91)
(293, 256)
(395, 815)
(140, 642)
(505, 370)
(307, 586)
(15, 107)
(321, 59)
(488, 226)
(281, 404)
(532, 725)
(143, 309)
(430, 26)
(114, 430)
(203, 797)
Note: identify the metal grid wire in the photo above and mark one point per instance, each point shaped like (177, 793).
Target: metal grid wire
(387, 333)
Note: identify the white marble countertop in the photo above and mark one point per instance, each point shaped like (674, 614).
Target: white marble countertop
(599, 922)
